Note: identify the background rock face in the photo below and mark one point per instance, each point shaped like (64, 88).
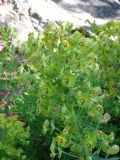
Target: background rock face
(15, 15)
(105, 9)
(27, 16)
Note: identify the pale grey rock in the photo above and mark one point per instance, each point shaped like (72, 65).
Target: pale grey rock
(14, 14)
(32, 16)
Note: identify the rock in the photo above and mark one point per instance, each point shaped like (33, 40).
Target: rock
(2, 45)
(98, 10)
(2, 2)
(117, 1)
(14, 14)
(32, 16)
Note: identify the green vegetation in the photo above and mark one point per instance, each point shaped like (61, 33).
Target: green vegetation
(59, 92)
(13, 136)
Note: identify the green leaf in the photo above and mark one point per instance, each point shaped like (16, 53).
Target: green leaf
(45, 126)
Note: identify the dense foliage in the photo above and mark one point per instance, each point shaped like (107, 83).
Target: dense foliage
(109, 60)
(65, 89)
(14, 134)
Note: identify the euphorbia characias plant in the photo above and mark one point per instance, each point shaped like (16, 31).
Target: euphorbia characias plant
(66, 83)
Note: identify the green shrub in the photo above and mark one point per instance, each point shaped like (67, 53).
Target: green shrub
(65, 74)
(8, 67)
(13, 136)
(13, 133)
(63, 84)
(108, 37)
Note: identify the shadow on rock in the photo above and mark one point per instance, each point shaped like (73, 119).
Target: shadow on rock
(98, 8)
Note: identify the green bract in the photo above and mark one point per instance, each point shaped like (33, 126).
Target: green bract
(70, 72)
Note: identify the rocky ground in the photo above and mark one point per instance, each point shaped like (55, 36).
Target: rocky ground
(27, 16)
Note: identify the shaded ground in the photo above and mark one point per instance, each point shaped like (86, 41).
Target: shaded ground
(104, 9)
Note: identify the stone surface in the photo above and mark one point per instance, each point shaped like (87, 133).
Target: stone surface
(99, 10)
(27, 16)
(16, 16)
